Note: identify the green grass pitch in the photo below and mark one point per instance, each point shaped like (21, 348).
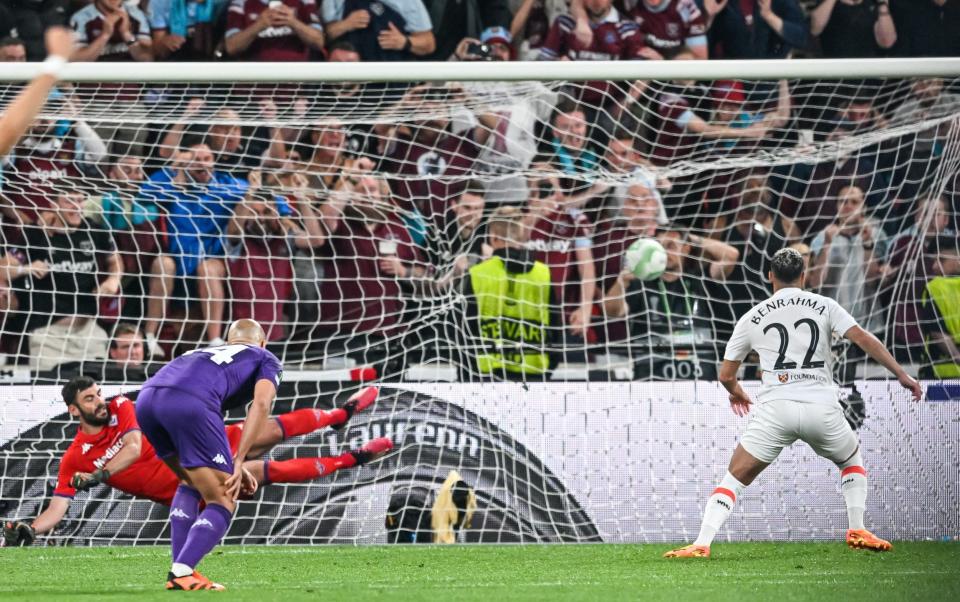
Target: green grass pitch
(762, 571)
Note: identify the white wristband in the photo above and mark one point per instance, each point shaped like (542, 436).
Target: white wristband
(53, 65)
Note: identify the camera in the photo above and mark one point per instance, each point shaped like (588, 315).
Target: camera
(481, 52)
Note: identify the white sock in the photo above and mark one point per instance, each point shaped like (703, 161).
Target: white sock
(180, 570)
(718, 509)
(853, 485)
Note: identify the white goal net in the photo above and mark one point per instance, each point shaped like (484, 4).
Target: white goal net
(362, 223)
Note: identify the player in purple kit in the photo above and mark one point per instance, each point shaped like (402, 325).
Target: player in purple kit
(180, 411)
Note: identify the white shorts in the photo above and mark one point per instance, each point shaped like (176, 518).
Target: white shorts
(776, 424)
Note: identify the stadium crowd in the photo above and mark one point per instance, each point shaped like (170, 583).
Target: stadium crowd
(339, 236)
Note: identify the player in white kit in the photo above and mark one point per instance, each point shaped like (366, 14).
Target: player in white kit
(791, 332)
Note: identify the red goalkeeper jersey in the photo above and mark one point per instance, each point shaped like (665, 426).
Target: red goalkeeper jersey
(148, 477)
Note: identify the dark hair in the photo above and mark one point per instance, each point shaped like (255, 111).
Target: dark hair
(341, 45)
(122, 329)
(564, 107)
(787, 265)
(476, 188)
(76, 384)
(11, 41)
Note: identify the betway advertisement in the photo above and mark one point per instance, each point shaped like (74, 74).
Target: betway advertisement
(564, 462)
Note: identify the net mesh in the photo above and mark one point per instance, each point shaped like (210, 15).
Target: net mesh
(354, 221)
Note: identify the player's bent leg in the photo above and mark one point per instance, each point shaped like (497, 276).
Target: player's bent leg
(829, 434)
(743, 469)
(206, 532)
(298, 470)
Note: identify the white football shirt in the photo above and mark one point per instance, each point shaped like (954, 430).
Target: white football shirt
(792, 332)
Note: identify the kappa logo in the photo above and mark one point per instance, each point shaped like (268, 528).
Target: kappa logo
(219, 459)
(201, 522)
(783, 378)
(113, 421)
(85, 447)
(178, 513)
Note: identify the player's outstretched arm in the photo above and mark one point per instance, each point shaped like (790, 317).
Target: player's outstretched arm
(24, 108)
(872, 346)
(263, 394)
(128, 454)
(20, 533)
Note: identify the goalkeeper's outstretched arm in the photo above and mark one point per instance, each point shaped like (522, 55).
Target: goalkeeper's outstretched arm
(24, 108)
(54, 513)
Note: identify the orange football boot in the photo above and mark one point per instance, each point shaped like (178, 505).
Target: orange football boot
(193, 582)
(691, 551)
(865, 540)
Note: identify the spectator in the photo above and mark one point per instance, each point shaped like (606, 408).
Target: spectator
(668, 309)
(848, 261)
(510, 307)
(50, 151)
(82, 266)
(671, 25)
(755, 29)
(423, 151)
(466, 230)
(264, 233)
(569, 142)
(914, 257)
(624, 162)
(110, 30)
(637, 219)
(29, 20)
(510, 144)
(928, 101)
(286, 30)
(126, 346)
(939, 309)
(926, 27)
(853, 28)
(730, 112)
(382, 30)
(561, 237)
(531, 22)
(183, 30)
(495, 44)
(679, 128)
(199, 201)
(600, 35)
(453, 21)
(12, 50)
(368, 256)
(137, 224)
(749, 225)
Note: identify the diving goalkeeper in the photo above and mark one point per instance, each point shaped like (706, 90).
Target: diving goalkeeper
(108, 448)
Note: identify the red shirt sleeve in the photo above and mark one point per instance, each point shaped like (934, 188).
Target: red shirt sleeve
(236, 17)
(123, 409)
(307, 13)
(632, 41)
(65, 473)
(555, 45)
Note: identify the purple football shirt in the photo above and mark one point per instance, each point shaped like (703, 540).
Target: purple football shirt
(223, 377)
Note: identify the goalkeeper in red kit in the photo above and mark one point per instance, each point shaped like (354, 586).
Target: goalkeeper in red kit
(108, 448)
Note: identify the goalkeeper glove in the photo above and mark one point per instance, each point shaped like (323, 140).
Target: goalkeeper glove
(80, 483)
(18, 533)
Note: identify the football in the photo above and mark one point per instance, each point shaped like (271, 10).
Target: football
(646, 258)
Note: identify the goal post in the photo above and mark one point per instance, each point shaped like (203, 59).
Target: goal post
(539, 263)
